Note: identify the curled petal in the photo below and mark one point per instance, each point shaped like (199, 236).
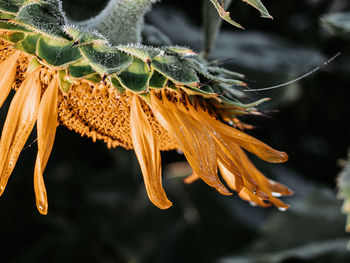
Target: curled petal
(19, 123)
(260, 149)
(8, 74)
(269, 186)
(46, 130)
(148, 154)
(194, 141)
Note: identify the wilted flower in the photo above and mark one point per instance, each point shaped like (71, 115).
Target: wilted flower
(141, 98)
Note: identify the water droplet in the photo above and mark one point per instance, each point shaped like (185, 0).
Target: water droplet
(282, 209)
(275, 194)
(253, 204)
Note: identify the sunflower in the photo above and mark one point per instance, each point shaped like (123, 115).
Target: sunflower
(137, 97)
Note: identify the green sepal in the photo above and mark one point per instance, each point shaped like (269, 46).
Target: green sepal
(95, 78)
(199, 67)
(153, 51)
(175, 69)
(7, 16)
(12, 6)
(33, 65)
(11, 26)
(28, 44)
(146, 97)
(181, 51)
(57, 53)
(82, 37)
(137, 52)
(45, 18)
(228, 73)
(104, 59)
(173, 87)
(239, 104)
(136, 76)
(205, 91)
(65, 82)
(157, 81)
(80, 69)
(118, 86)
(14, 37)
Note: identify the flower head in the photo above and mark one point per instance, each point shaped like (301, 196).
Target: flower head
(137, 97)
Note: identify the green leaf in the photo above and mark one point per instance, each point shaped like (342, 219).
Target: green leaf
(44, 18)
(258, 5)
(175, 69)
(211, 25)
(80, 69)
(136, 76)
(57, 53)
(157, 81)
(12, 6)
(28, 44)
(10, 26)
(105, 59)
(224, 15)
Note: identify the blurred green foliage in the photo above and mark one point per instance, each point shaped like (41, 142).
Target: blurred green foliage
(98, 208)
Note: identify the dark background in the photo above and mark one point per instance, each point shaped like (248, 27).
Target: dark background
(98, 208)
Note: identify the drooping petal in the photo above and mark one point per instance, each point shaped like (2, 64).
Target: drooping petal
(196, 143)
(46, 131)
(260, 149)
(191, 178)
(148, 154)
(19, 123)
(244, 193)
(7, 75)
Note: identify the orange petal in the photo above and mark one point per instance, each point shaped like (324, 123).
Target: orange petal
(8, 74)
(194, 141)
(148, 154)
(249, 143)
(269, 186)
(19, 123)
(46, 130)
(191, 178)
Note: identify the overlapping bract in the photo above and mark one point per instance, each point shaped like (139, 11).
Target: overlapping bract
(157, 87)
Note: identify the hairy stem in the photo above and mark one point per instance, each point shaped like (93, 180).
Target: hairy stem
(121, 21)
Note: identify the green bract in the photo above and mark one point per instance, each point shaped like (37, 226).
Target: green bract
(39, 28)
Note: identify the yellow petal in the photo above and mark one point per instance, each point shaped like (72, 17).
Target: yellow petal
(8, 74)
(194, 141)
(148, 154)
(46, 130)
(19, 123)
